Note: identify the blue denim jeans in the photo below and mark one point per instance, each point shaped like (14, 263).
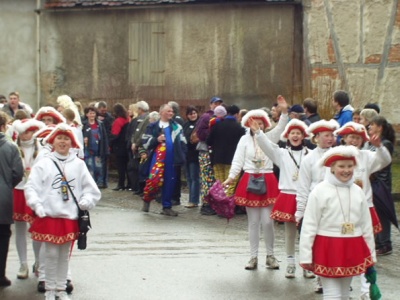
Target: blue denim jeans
(193, 181)
(95, 166)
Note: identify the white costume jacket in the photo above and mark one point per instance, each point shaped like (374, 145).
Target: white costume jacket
(284, 161)
(369, 162)
(44, 186)
(311, 173)
(245, 151)
(324, 216)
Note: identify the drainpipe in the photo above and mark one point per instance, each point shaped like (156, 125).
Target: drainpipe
(38, 87)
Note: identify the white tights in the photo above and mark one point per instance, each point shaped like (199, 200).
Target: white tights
(290, 239)
(255, 217)
(42, 260)
(21, 230)
(336, 288)
(56, 266)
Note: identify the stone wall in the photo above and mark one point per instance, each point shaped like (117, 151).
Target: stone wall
(354, 45)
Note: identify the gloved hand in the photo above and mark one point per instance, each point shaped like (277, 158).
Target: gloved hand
(40, 211)
(84, 204)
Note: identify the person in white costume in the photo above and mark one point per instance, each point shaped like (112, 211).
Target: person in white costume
(311, 173)
(337, 217)
(250, 158)
(46, 194)
(354, 134)
(23, 215)
(288, 160)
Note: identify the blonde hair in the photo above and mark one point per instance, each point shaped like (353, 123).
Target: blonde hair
(368, 114)
(134, 110)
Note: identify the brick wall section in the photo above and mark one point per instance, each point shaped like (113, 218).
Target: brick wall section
(373, 59)
(329, 72)
(397, 23)
(394, 54)
(331, 51)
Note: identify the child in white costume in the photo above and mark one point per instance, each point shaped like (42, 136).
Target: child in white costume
(249, 158)
(311, 173)
(355, 134)
(288, 160)
(23, 215)
(337, 217)
(57, 215)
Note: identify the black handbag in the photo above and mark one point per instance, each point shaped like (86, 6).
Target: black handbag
(83, 218)
(257, 185)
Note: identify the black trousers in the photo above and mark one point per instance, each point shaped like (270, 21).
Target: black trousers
(122, 168)
(176, 196)
(5, 234)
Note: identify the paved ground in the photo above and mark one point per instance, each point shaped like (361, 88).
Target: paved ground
(136, 255)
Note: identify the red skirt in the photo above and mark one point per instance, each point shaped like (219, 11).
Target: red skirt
(245, 198)
(340, 257)
(284, 208)
(22, 212)
(376, 223)
(54, 230)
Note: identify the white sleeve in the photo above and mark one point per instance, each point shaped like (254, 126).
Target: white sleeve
(309, 228)
(239, 158)
(379, 159)
(367, 230)
(269, 148)
(303, 189)
(90, 192)
(275, 134)
(33, 187)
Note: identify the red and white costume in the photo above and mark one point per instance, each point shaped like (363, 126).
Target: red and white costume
(288, 161)
(321, 231)
(369, 162)
(43, 190)
(247, 152)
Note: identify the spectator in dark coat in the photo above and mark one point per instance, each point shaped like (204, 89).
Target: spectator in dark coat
(192, 158)
(310, 109)
(11, 173)
(223, 139)
(96, 146)
(118, 145)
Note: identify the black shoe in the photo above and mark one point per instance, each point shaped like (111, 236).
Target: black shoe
(136, 192)
(169, 212)
(41, 287)
(176, 202)
(240, 210)
(146, 206)
(206, 210)
(4, 281)
(385, 250)
(119, 188)
(69, 287)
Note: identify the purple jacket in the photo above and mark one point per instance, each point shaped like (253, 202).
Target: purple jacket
(202, 126)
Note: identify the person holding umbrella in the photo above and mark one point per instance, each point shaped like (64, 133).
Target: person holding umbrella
(381, 183)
